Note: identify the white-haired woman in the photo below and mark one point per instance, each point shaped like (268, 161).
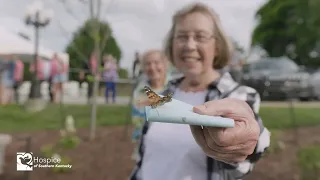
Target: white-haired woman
(154, 67)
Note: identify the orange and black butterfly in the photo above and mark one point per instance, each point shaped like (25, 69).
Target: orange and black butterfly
(155, 99)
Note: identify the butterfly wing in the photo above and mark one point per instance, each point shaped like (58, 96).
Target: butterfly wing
(167, 98)
(154, 98)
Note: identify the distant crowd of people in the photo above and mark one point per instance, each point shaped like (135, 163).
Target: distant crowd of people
(12, 69)
(56, 73)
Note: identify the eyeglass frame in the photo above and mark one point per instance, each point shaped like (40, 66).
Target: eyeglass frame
(197, 38)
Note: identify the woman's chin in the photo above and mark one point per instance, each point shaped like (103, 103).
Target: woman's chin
(156, 78)
(191, 73)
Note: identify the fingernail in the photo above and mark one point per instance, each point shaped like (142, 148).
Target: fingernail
(199, 109)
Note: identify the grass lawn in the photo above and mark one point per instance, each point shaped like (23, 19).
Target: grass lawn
(309, 161)
(280, 118)
(14, 119)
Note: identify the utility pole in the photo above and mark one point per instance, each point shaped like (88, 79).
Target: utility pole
(38, 17)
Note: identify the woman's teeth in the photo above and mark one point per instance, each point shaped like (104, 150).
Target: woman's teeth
(190, 59)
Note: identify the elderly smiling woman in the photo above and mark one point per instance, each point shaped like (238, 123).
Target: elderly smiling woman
(197, 47)
(154, 67)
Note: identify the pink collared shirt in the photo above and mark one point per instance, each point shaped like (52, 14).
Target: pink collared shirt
(58, 67)
(18, 71)
(40, 67)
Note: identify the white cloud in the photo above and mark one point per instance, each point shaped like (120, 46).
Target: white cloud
(137, 24)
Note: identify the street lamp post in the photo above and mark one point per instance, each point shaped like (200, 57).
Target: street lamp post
(38, 17)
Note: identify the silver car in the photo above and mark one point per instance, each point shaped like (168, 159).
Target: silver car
(279, 78)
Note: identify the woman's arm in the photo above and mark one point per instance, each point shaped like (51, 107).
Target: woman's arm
(241, 169)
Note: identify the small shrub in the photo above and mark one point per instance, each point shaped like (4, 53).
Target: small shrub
(64, 161)
(69, 142)
(47, 150)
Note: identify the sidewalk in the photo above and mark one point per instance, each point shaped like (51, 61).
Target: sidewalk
(124, 100)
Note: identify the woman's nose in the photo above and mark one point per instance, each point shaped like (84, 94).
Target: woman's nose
(191, 44)
(153, 68)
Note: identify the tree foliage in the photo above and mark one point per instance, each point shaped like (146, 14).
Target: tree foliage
(82, 44)
(289, 28)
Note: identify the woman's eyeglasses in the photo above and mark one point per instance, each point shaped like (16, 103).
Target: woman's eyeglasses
(199, 38)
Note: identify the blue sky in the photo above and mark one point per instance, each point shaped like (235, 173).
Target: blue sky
(137, 24)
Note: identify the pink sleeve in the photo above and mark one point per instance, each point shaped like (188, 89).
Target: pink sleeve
(18, 71)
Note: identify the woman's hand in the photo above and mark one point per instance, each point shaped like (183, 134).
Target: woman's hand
(230, 145)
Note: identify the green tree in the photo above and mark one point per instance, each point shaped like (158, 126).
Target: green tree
(82, 45)
(289, 28)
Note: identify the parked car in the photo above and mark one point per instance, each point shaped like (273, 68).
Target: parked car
(278, 78)
(315, 83)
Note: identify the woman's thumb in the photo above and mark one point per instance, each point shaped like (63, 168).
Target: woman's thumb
(200, 109)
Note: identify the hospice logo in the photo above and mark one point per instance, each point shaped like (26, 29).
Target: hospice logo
(26, 161)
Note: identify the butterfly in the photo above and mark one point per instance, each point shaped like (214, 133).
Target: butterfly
(156, 100)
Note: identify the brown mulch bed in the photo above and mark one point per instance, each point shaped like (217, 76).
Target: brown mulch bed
(108, 157)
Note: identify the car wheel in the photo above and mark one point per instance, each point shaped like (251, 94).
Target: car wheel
(304, 98)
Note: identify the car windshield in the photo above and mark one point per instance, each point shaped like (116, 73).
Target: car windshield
(275, 65)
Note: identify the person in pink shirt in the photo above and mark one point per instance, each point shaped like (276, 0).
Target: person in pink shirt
(40, 69)
(59, 74)
(17, 77)
(7, 79)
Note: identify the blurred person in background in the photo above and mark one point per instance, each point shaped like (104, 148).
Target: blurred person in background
(90, 69)
(2, 69)
(43, 72)
(18, 77)
(59, 69)
(7, 79)
(197, 47)
(155, 66)
(53, 71)
(110, 76)
(136, 69)
(42, 69)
